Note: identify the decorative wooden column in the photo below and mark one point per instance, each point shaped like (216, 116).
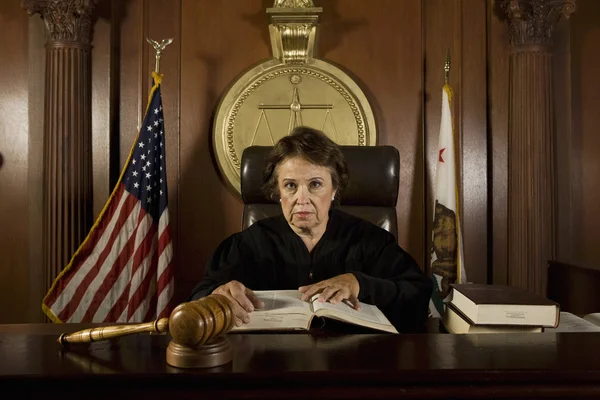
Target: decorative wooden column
(531, 174)
(67, 129)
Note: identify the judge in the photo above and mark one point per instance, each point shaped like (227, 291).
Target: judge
(314, 247)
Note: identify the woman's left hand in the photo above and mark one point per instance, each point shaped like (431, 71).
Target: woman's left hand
(336, 289)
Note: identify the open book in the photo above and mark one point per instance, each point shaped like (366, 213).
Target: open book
(572, 323)
(285, 310)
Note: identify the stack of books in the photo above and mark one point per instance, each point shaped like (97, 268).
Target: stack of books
(498, 309)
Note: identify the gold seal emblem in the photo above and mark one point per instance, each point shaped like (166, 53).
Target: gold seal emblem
(292, 89)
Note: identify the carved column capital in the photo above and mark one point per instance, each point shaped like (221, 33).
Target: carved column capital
(531, 22)
(66, 20)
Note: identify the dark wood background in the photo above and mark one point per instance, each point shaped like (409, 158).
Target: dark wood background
(395, 50)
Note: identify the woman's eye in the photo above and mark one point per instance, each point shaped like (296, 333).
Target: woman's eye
(315, 184)
(290, 185)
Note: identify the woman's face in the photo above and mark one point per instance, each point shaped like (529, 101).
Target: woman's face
(306, 192)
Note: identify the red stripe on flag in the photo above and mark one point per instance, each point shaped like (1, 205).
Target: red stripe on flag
(151, 308)
(164, 278)
(163, 281)
(142, 290)
(86, 247)
(118, 308)
(114, 272)
(71, 307)
(164, 240)
(140, 254)
(166, 312)
(146, 248)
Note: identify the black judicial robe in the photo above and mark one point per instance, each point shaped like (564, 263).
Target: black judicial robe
(269, 255)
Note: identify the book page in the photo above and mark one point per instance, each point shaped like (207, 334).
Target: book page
(572, 323)
(368, 312)
(594, 318)
(283, 301)
(283, 310)
(266, 321)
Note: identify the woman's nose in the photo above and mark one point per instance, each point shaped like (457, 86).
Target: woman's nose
(302, 195)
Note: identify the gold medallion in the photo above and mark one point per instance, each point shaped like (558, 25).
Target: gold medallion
(290, 90)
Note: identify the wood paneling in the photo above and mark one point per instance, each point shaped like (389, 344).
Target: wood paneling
(14, 274)
(497, 101)
(35, 167)
(133, 89)
(563, 150)
(585, 164)
(101, 104)
(472, 127)
(389, 35)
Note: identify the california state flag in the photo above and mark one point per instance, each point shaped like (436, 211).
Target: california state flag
(447, 264)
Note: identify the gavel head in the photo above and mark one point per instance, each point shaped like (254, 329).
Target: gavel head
(192, 324)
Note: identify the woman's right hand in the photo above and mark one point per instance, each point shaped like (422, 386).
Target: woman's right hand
(243, 299)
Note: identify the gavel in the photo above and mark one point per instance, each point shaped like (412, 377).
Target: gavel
(197, 327)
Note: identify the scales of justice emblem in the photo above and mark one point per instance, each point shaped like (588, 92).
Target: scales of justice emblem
(295, 116)
(291, 89)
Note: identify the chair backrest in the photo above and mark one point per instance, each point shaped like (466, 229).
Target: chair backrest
(371, 194)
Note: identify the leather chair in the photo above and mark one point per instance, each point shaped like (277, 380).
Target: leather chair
(372, 192)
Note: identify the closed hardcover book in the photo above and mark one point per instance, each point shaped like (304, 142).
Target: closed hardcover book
(504, 305)
(456, 323)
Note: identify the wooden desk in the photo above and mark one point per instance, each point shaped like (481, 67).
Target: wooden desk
(304, 366)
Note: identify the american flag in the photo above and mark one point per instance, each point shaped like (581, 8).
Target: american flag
(123, 270)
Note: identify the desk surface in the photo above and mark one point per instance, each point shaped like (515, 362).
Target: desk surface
(547, 365)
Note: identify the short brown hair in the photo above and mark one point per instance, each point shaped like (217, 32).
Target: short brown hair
(312, 145)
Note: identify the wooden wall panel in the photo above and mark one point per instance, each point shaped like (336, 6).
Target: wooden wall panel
(101, 104)
(472, 125)
(561, 62)
(585, 58)
(35, 165)
(14, 274)
(131, 16)
(380, 43)
(497, 83)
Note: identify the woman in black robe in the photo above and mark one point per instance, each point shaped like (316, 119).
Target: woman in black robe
(313, 247)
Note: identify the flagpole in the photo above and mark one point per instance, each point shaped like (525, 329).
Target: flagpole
(447, 67)
(159, 47)
(448, 264)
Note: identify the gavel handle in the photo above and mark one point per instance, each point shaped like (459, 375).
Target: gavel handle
(111, 332)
